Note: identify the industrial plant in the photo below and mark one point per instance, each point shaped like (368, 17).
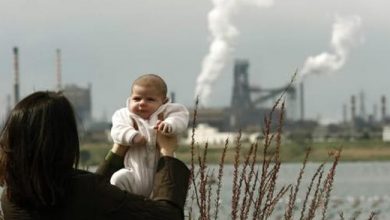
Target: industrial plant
(248, 107)
(250, 104)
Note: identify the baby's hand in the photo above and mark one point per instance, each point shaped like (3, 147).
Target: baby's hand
(139, 140)
(163, 127)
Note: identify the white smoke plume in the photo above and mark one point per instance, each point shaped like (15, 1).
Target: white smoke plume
(223, 35)
(345, 35)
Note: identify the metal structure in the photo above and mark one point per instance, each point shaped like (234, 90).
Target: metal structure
(241, 90)
(247, 104)
(16, 79)
(383, 108)
(81, 101)
(59, 69)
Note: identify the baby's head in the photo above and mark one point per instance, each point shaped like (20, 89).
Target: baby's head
(148, 93)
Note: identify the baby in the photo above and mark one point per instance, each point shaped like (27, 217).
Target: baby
(148, 109)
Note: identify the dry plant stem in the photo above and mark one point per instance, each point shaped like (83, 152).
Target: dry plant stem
(341, 214)
(293, 194)
(329, 182)
(279, 132)
(321, 167)
(317, 196)
(192, 205)
(264, 170)
(270, 189)
(262, 188)
(356, 214)
(276, 199)
(220, 174)
(201, 200)
(254, 183)
(193, 136)
(266, 180)
(203, 183)
(235, 189)
(271, 200)
(209, 196)
(193, 151)
(246, 177)
(372, 215)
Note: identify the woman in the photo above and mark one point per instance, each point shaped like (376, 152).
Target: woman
(39, 153)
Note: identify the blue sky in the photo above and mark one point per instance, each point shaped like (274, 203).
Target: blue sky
(109, 43)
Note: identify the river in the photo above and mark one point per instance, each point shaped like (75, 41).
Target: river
(359, 188)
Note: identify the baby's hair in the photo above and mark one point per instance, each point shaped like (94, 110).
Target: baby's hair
(152, 80)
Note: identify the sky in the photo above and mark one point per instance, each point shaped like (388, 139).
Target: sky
(110, 43)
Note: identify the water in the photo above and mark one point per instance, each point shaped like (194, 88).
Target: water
(359, 188)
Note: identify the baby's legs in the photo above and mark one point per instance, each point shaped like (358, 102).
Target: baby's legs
(127, 179)
(124, 179)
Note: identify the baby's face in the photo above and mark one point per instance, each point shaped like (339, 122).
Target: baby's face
(144, 101)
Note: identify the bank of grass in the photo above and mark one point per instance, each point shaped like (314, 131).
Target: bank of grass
(361, 150)
(92, 153)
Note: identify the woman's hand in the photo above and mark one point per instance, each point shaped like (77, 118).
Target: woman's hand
(167, 144)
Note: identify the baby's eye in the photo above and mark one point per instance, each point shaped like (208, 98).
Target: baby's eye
(151, 99)
(137, 98)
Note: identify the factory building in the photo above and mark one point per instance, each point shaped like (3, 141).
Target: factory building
(248, 104)
(81, 100)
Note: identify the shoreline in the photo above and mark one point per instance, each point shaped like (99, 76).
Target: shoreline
(366, 150)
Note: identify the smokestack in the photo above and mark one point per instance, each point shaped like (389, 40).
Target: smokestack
(173, 97)
(353, 108)
(302, 95)
(16, 69)
(374, 112)
(8, 105)
(362, 105)
(59, 70)
(383, 101)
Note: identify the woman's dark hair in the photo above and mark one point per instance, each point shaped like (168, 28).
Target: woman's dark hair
(39, 148)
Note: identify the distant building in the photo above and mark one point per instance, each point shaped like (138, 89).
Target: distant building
(207, 134)
(386, 133)
(81, 100)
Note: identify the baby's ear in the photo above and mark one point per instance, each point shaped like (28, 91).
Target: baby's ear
(165, 100)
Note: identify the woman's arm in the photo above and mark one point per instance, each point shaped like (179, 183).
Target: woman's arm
(113, 161)
(172, 176)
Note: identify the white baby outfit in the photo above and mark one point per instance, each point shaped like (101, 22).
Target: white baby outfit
(140, 161)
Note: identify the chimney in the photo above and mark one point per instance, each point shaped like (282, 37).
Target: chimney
(374, 112)
(383, 102)
(16, 69)
(59, 70)
(353, 108)
(362, 105)
(173, 97)
(8, 105)
(302, 98)
(345, 113)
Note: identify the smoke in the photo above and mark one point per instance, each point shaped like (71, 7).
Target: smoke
(345, 35)
(223, 35)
